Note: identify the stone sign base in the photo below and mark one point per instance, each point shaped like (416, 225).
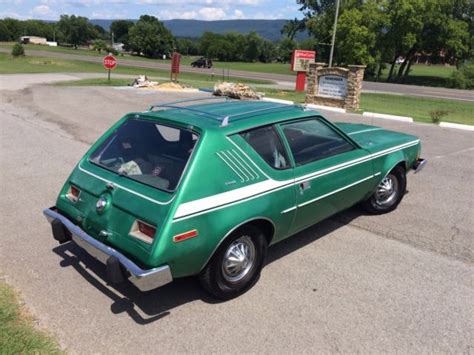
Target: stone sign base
(336, 87)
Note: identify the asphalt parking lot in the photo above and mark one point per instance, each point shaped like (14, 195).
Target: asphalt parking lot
(401, 282)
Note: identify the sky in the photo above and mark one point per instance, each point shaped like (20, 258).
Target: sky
(163, 9)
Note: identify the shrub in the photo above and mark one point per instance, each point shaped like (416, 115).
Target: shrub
(18, 50)
(111, 50)
(99, 45)
(436, 115)
(463, 78)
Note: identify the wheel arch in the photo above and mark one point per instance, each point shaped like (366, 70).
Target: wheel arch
(265, 224)
(394, 160)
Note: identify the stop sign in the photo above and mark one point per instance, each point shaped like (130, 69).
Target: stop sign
(110, 62)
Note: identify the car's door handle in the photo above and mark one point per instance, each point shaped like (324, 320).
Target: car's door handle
(305, 185)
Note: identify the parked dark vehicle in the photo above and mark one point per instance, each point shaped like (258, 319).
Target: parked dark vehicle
(202, 63)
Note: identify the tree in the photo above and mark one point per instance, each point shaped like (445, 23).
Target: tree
(150, 37)
(187, 46)
(5, 34)
(285, 49)
(76, 30)
(14, 28)
(292, 27)
(120, 30)
(373, 32)
(253, 43)
(268, 52)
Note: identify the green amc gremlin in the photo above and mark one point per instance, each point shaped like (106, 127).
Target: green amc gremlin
(203, 188)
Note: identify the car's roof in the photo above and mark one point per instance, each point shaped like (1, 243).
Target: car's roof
(231, 116)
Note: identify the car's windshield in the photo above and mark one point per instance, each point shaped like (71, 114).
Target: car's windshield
(148, 152)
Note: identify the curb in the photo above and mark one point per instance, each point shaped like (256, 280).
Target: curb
(388, 117)
(465, 127)
(278, 101)
(326, 108)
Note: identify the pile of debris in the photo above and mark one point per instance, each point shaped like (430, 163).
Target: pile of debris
(235, 90)
(143, 82)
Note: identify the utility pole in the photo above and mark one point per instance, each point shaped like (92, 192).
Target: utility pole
(112, 39)
(334, 33)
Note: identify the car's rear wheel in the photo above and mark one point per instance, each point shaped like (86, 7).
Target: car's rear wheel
(388, 193)
(236, 265)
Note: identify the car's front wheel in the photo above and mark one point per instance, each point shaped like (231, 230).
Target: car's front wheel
(236, 265)
(388, 193)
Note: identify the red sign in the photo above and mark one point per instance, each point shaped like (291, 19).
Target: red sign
(300, 60)
(175, 63)
(109, 62)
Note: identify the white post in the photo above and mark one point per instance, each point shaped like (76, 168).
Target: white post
(334, 34)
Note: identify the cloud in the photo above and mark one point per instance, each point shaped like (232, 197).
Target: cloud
(204, 13)
(205, 3)
(238, 14)
(11, 14)
(43, 11)
(108, 15)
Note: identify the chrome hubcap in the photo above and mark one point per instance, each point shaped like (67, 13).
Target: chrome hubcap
(239, 259)
(387, 190)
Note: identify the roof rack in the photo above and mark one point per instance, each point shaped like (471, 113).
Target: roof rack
(225, 119)
(200, 98)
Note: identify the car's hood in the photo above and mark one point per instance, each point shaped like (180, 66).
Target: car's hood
(374, 138)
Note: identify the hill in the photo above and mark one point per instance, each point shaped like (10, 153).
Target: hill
(268, 29)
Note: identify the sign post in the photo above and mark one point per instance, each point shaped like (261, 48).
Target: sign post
(175, 66)
(300, 63)
(110, 63)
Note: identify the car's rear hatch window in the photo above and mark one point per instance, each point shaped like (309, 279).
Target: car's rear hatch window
(148, 152)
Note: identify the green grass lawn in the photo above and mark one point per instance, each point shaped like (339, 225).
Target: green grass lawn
(417, 107)
(17, 332)
(32, 64)
(425, 75)
(420, 74)
(125, 82)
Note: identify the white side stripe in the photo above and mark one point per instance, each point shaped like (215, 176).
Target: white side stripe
(206, 204)
(245, 154)
(124, 188)
(225, 198)
(243, 164)
(336, 191)
(220, 155)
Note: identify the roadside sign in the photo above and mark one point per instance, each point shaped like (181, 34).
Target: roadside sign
(175, 66)
(109, 62)
(300, 60)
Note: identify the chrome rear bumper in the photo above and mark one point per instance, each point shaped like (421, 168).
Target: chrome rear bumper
(144, 280)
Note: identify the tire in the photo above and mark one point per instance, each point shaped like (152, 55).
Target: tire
(225, 278)
(388, 194)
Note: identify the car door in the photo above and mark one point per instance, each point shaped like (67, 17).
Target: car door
(331, 172)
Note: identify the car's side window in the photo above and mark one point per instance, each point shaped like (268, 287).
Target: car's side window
(311, 140)
(267, 143)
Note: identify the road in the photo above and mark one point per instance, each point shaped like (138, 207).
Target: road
(397, 283)
(283, 81)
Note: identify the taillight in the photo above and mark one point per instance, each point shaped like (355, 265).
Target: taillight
(146, 229)
(184, 236)
(143, 231)
(73, 193)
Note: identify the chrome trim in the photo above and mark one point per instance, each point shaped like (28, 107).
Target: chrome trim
(144, 280)
(233, 230)
(419, 165)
